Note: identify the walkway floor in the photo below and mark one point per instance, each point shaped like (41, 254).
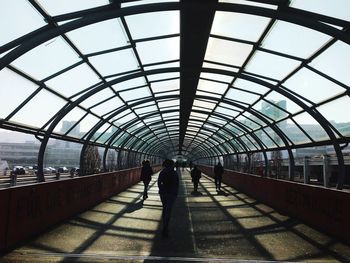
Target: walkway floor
(211, 227)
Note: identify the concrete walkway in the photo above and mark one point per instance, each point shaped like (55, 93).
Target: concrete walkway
(210, 227)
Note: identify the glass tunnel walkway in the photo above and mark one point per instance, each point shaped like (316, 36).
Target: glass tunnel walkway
(208, 227)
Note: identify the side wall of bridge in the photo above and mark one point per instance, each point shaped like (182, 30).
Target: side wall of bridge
(29, 210)
(323, 208)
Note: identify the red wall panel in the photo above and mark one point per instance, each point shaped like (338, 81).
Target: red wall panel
(326, 209)
(28, 210)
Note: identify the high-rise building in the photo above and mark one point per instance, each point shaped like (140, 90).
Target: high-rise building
(66, 125)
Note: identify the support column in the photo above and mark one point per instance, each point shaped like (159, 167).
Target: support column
(13, 178)
(326, 170)
(290, 169)
(306, 170)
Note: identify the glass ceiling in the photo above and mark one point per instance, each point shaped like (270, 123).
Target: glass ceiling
(271, 76)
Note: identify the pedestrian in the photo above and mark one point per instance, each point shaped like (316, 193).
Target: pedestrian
(218, 172)
(196, 174)
(146, 176)
(168, 184)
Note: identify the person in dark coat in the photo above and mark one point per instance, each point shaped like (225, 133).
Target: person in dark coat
(196, 174)
(218, 172)
(168, 184)
(146, 176)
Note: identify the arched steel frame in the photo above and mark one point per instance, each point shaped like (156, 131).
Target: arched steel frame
(314, 114)
(151, 114)
(303, 18)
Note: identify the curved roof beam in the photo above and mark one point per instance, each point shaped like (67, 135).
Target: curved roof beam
(66, 109)
(300, 17)
(176, 126)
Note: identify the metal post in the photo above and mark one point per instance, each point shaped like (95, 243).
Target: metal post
(306, 170)
(326, 170)
(290, 169)
(13, 177)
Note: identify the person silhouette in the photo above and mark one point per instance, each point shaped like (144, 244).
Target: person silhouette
(168, 184)
(218, 172)
(146, 176)
(196, 174)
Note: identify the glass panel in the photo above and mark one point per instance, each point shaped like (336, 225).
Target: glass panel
(269, 109)
(170, 115)
(135, 126)
(11, 26)
(294, 40)
(153, 119)
(69, 121)
(270, 65)
(47, 59)
(204, 104)
(254, 122)
(87, 124)
(335, 8)
(106, 134)
(168, 103)
(39, 109)
(159, 50)
(110, 63)
(240, 26)
(217, 120)
(242, 96)
(97, 97)
(108, 106)
(155, 77)
(176, 92)
(250, 86)
(228, 111)
(265, 139)
(13, 91)
(146, 110)
(227, 52)
(99, 36)
(135, 94)
(311, 126)
(293, 132)
(225, 134)
(153, 24)
(312, 86)
(126, 118)
(336, 112)
(275, 97)
(216, 66)
(163, 65)
(202, 93)
(256, 118)
(198, 115)
(250, 121)
(119, 139)
(234, 129)
(335, 62)
(274, 136)
(66, 6)
(248, 2)
(237, 144)
(212, 86)
(248, 142)
(74, 80)
(253, 143)
(219, 77)
(165, 85)
(135, 82)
